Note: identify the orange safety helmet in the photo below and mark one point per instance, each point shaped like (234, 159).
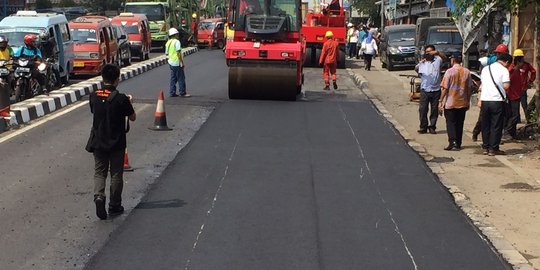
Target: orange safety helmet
(29, 39)
(501, 48)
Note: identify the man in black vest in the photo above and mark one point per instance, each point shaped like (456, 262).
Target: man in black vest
(108, 139)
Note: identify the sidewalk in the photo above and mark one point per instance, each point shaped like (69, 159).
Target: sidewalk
(504, 190)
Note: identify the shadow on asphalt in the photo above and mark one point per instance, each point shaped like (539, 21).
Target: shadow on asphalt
(174, 203)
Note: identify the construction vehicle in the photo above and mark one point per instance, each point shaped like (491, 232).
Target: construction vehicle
(161, 15)
(324, 18)
(265, 55)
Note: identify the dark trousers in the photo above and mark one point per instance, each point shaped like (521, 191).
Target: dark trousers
(352, 50)
(429, 101)
(478, 127)
(113, 161)
(512, 117)
(492, 124)
(523, 101)
(177, 77)
(367, 60)
(454, 125)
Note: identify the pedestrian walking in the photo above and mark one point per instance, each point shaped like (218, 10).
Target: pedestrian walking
(353, 41)
(429, 70)
(369, 49)
(495, 82)
(328, 59)
(108, 139)
(456, 91)
(362, 34)
(527, 77)
(173, 50)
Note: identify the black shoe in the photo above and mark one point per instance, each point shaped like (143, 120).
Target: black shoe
(452, 146)
(173, 95)
(100, 207)
(422, 131)
(432, 131)
(335, 85)
(116, 209)
(475, 136)
(326, 88)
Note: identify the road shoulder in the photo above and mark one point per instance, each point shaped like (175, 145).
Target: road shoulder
(481, 186)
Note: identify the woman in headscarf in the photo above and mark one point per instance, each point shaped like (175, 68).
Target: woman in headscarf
(369, 48)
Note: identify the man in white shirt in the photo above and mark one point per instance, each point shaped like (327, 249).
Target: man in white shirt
(495, 81)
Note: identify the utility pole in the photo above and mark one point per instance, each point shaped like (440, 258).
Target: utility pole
(410, 9)
(382, 15)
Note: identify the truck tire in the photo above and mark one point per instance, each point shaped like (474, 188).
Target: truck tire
(220, 44)
(341, 60)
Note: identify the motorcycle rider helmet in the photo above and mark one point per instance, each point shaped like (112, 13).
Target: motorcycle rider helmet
(501, 48)
(30, 39)
(3, 42)
(43, 36)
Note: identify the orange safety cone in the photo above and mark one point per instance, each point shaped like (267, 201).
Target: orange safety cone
(127, 167)
(160, 122)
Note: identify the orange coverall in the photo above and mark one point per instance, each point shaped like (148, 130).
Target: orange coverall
(329, 57)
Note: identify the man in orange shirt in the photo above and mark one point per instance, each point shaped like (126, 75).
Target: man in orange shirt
(328, 59)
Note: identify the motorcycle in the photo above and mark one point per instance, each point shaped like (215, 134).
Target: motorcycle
(26, 86)
(47, 68)
(5, 72)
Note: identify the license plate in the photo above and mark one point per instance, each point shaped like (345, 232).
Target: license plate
(23, 69)
(78, 64)
(4, 71)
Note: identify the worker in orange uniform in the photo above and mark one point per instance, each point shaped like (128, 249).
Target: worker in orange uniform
(328, 59)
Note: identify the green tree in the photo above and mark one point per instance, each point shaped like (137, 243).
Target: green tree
(67, 3)
(368, 7)
(43, 4)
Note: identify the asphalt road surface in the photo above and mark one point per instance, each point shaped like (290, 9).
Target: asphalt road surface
(321, 183)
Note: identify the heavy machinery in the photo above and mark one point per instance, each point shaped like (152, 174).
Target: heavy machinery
(161, 14)
(265, 56)
(324, 18)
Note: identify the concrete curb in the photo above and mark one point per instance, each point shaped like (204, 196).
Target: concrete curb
(31, 109)
(487, 230)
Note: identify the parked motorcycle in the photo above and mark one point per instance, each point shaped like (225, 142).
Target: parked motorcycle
(26, 86)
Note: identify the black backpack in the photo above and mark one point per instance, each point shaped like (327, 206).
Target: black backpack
(99, 135)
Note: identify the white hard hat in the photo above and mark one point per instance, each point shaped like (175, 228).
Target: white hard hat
(350, 25)
(173, 31)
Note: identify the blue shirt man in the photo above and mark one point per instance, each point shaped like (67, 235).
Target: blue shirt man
(430, 74)
(30, 52)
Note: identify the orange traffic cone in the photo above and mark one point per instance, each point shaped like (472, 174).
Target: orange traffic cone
(127, 167)
(160, 122)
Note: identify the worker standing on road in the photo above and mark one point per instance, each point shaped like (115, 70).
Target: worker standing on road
(527, 77)
(328, 59)
(455, 99)
(429, 70)
(173, 50)
(108, 139)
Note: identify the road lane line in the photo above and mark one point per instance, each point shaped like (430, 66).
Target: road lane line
(396, 227)
(53, 116)
(209, 212)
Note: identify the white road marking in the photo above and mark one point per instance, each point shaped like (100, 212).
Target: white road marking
(396, 227)
(209, 212)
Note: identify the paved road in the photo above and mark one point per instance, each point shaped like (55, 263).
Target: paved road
(324, 183)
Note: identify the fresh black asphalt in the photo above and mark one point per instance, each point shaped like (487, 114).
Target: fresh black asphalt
(296, 185)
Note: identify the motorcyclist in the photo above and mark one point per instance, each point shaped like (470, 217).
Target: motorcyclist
(6, 52)
(50, 51)
(30, 50)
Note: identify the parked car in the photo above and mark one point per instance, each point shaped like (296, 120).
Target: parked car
(124, 50)
(138, 31)
(95, 44)
(211, 32)
(397, 46)
(15, 27)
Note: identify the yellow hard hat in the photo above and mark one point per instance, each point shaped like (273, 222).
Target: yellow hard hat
(194, 15)
(518, 52)
(329, 34)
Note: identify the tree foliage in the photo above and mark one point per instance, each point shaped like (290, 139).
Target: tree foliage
(478, 6)
(367, 7)
(43, 4)
(67, 3)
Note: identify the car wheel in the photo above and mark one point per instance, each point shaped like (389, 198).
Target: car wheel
(390, 65)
